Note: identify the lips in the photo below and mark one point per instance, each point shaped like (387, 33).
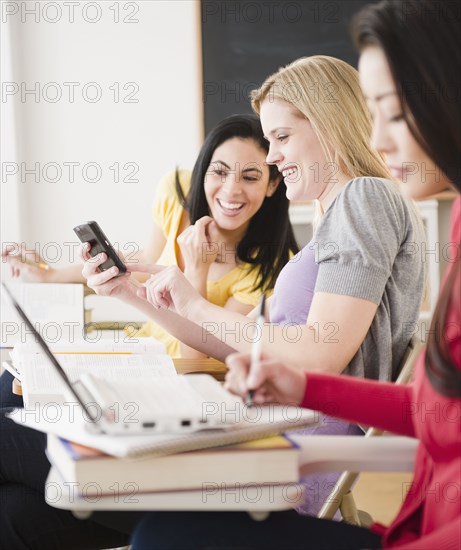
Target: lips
(396, 171)
(230, 208)
(289, 171)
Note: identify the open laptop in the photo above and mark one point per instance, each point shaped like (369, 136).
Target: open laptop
(181, 404)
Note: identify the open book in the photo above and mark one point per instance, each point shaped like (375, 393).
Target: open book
(41, 384)
(120, 345)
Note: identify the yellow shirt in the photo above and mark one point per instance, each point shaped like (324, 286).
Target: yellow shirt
(237, 283)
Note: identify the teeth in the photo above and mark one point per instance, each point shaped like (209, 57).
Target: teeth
(288, 172)
(231, 205)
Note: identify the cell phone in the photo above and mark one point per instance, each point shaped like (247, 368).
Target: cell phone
(90, 232)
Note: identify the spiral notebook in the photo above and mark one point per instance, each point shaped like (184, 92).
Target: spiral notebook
(255, 422)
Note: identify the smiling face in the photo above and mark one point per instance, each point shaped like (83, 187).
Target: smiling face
(296, 151)
(391, 136)
(236, 183)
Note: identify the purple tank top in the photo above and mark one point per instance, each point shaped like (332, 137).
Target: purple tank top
(294, 289)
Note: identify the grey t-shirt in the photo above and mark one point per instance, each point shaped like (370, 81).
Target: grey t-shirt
(368, 246)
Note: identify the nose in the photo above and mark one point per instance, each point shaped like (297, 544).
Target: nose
(232, 184)
(274, 156)
(380, 138)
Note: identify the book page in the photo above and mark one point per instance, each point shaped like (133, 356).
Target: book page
(39, 377)
(56, 311)
(123, 345)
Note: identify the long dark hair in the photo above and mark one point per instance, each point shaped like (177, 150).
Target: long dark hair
(269, 240)
(420, 39)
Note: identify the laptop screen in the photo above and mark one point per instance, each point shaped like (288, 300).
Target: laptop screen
(44, 346)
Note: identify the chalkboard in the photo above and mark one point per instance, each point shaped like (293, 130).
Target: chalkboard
(243, 42)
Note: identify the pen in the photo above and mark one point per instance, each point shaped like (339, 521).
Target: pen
(256, 349)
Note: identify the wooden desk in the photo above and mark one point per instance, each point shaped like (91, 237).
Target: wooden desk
(183, 366)
(204, 366)
(16, 387)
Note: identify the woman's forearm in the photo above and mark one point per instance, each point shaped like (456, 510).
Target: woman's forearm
(302, 346)
(188, 332)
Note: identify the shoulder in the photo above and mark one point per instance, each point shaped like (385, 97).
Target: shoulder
(369, 190)
(166, 202)
(368, 209)
(167, 185)
(378, 199)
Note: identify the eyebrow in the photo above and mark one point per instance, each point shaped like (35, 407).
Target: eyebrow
(220, 162)
(381, 96)
(251, 169)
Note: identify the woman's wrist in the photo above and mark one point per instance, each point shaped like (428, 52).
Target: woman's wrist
(198, 281)
(197, 272)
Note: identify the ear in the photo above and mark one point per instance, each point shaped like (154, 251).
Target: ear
(272, 187)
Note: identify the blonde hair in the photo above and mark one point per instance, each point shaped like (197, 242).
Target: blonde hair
(327, 92)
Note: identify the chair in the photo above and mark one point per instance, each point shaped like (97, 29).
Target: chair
(341, 496)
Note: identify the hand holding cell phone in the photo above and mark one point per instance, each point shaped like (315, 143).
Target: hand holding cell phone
(90, 232)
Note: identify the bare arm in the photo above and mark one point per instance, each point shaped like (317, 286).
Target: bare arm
(232, 305)
(335, 329)
(132, 292)
(27, 262)
(190, 333)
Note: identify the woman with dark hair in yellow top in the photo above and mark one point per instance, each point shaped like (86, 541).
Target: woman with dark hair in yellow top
(225, 225)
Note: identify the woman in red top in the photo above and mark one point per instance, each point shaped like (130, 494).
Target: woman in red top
(410, 67)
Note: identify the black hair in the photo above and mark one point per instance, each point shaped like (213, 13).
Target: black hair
(420, 39)
(269, 239)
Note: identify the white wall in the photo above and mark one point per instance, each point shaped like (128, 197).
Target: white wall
(10, 189)
(158, 54)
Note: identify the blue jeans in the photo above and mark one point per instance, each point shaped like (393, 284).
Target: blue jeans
(226, 530)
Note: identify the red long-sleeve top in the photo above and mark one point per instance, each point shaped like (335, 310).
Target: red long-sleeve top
(430, 517)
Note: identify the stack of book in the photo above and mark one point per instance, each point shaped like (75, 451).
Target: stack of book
(270, 460)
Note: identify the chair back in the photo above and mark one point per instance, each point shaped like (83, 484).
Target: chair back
(409, 360)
